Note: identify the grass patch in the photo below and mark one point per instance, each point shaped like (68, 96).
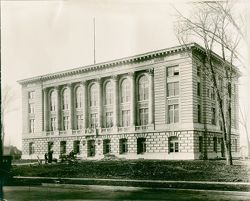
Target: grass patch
(198, 170)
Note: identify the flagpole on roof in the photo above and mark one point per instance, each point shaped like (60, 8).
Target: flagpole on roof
(94, 39)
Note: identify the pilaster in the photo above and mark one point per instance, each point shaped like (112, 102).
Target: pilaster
(151, 97)
(99, 87)
(45, 109)
(71, 106)
(84, 104)
(132, 104)
(116, 102)
(58, 108)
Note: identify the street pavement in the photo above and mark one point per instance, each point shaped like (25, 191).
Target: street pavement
(96, 192)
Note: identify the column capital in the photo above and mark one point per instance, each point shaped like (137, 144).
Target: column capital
(45, 89)
(57, 87)
(98, 80)
(114, 78)
(69, 85)
(150, 71)
(131, 74)
(83, 82)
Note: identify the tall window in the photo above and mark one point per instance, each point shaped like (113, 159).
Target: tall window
(215, 144)
(173, 144)
(173, 89)
(53, 101)
(65, 123)
(108, 93)
(200, 143)
(31, 108)
(198, 88)
(93, 95)
(143, 116)
(91, 148)
(141, 145)
(32, 125)
(125, 91)
(199, 113)
(143, 88)
(79, 97)
(213, 121)
(31, 94)
(53, 124)
(198, 71)
(76, 146)
(93, 120)
(66, 99)
(123, 145)
(125, 118)
(220, 84)
(173, 113)
(79, 122)
(173, 71)
(236, 145)
(213, 93)
(31, 148)
(106, 146)
(63, 147)
(109, 119)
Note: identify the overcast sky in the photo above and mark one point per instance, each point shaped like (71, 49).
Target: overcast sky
(40, 37)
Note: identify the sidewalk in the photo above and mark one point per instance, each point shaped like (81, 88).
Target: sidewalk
(207, 185)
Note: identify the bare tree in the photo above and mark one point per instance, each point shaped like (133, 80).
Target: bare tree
(244, 123)
(211, 25)
(8, 96)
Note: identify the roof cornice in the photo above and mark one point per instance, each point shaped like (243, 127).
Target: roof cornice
(125, 60)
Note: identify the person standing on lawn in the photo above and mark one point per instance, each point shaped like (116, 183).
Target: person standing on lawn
(50, 156)
(46, 158)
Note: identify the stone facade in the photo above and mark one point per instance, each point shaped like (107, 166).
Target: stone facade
(143, 106)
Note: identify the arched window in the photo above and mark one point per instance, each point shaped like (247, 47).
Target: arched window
(53, 101)
(79, 97)
(125, 91)
(108, 93)
(143, 88)
(65, 99)
(93, 95)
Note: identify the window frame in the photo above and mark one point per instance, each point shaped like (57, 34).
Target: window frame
(108, 93)
(141, 145)
(174, 113)
(31, 148)
(173, 71)
(173, 89)
(79, 98)
(125, 91)
(173, 144)
(143, 88)
(123, 145)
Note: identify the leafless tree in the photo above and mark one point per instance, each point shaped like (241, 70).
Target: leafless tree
(244, 119)
(212, 24)
(8, 96)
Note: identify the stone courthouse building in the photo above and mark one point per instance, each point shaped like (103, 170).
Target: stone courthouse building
(155, 105)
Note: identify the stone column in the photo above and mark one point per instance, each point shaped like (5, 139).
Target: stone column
(99, 87)
(115, 102)
(151, 96)
(58, 108)
(132, 104)
(45, 109)
(84, 105)
(71, 106)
